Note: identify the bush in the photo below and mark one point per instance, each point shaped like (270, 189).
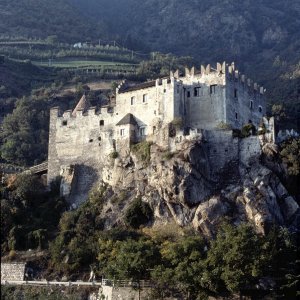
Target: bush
(138, 213)
(224, 126)
(142, 151)
(114, 155)
(248, 130)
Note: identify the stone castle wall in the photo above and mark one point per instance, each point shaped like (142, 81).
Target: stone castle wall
(199, 101)
(12, 271)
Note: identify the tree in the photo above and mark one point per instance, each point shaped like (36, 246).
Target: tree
(235, 260)
(132, 260)
(182, 266)
(290, 155)
(138, 213)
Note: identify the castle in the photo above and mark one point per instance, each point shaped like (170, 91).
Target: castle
(192, 102)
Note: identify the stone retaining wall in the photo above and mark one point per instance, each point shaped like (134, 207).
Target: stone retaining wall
(12, 271)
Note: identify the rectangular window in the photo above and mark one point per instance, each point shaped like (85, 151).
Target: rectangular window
(236, 115)
(251, 104)
(101, 122)
(142, 131)
(197, 92)
(260, 109)
(132, 100)
(188, 94)
(145, 98)
(212, 89)
(235, 93)
(122, 132)
(64, 123)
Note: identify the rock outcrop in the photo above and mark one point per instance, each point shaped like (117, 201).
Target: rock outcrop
(201, 184)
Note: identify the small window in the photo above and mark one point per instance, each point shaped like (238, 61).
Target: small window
(251, 104)
(64, 123)
(260, 109)
(122, 132)
(99, 138)
(165, 90)
(145, 98)
(154, 129)
(236, 115)
(101, 122)
(212, 89)
(196, 92)
(235, 93)
(132, 100)
(91, 140)
(142, 131)
(188, 94)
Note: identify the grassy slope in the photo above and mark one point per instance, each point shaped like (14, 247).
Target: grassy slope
(19, 78)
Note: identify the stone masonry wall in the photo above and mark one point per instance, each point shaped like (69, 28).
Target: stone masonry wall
(12, 271)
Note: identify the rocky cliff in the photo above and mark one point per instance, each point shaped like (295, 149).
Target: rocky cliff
(204, 181)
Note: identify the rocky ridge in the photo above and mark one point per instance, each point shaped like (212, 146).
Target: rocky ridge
(199, 186)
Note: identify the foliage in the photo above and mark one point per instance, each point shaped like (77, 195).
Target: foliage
(132, 259)
(114, 155)
(290, 155)
(248, 130)
(75, 246)
(224, 126)
(142, 150)
(29, 214)
(235, 261)
(25, 132)
(138, 213)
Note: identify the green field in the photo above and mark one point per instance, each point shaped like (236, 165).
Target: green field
(78, 63)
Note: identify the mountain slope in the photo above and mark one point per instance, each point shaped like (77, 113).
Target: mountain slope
(42, 18)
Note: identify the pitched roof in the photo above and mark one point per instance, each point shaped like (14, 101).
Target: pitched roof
(83, 104)
(128, 119)
(136, 87)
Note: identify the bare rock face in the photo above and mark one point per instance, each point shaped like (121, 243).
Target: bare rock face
(201, 185)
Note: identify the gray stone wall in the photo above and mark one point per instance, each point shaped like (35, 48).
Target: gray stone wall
(12, 271)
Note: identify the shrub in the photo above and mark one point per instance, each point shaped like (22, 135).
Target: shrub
(247, 130)
(142, 150)
(114, 155)
(138, 213)
(224, 126)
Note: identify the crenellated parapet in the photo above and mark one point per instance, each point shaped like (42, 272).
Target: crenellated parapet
(235, 75)
(221, 69)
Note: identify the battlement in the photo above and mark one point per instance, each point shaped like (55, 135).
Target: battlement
(234, 74)
(92, 111)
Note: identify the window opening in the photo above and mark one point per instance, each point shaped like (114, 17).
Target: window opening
(188, 94)
(196, 92)
(122, 132)
(260, 109)
(212, 89)
(251, 104)
(101, 122)
(236, 115)
(132, 100)
(145, 98)
(142, 131)
(64, 123)
(235, 93)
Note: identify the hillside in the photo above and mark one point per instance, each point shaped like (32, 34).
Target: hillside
(262, 37)
(18, 78)
(42, 18)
